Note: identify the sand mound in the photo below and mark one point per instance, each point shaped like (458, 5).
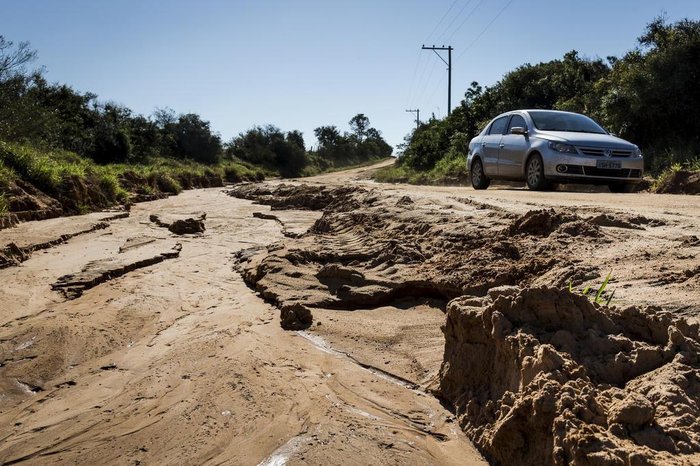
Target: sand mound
(183, 226)
(547, 221)
(689, 241)
(680, 182)
(301, 197)
(546, 377)
(295, 317)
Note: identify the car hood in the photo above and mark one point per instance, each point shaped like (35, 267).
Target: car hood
(587, 139)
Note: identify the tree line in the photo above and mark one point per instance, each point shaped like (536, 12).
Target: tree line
(271, 147)
(649, 96)
(54, 115)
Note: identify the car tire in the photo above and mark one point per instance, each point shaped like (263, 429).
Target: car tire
(478, 177)
(620, 187)
(534, 174)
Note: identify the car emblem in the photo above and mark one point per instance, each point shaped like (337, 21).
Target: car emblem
(607, 152)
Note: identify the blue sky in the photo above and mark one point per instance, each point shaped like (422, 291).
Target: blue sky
(305, 63)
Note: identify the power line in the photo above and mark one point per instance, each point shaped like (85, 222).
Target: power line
(424, 86)
(483, 31)
(413, 88)
(413, 80)
(435, 85)
(432, 94)
(471, 13)
(441, 20)
(455, 18)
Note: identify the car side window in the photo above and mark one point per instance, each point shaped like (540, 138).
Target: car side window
(499, 125)
(517, 120)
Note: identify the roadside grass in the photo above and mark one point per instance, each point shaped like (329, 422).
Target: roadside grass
(57, 173)
(7, 175)
(692, 165)
(44, 169)
(448, 170)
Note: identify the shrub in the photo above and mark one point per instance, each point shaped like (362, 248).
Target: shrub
(111, 145)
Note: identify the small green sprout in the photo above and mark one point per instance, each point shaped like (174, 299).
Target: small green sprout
(599, 297)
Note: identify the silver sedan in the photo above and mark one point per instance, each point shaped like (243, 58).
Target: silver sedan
(545, 146)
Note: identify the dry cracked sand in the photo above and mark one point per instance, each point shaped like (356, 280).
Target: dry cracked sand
(425, 325)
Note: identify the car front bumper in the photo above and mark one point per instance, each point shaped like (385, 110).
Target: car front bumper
(585, 168)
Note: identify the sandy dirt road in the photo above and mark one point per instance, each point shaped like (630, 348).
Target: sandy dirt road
(179, 362)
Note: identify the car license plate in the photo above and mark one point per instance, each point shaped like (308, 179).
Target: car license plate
(609, 164)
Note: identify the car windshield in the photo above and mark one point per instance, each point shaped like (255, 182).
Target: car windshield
(572, 122)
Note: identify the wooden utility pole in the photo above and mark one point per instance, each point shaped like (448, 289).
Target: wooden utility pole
(417, 112)
(449, 49)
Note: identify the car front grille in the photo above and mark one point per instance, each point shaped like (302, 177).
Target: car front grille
(612, 172)
(600, 152)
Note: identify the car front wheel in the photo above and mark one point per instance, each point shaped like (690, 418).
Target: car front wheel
(479, 178)
(534, 173)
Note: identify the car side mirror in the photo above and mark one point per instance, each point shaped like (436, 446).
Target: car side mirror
(518, 130)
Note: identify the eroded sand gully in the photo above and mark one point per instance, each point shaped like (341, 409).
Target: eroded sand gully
(181, 361)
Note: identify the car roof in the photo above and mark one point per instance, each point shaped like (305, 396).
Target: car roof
(528, 110)
(545, 110)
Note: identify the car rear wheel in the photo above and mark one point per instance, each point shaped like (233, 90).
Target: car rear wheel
(534, 174)
(478, 177)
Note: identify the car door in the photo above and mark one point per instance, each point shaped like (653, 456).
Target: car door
(512, 150)
(490, 145)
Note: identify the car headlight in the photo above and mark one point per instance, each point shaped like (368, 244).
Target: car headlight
(638, 152)
(561, 147)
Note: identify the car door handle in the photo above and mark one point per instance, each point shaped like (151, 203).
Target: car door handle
(483, 144)
(501, 145)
